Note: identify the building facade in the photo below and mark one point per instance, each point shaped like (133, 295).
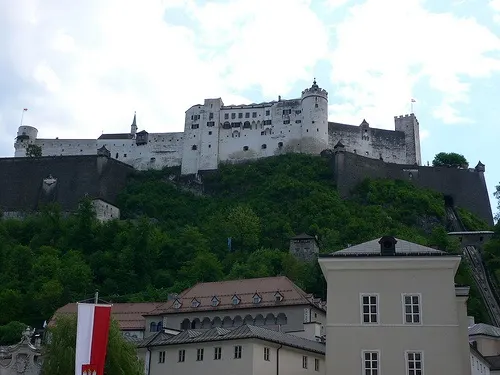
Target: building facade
(215, 133)
(396, 311)
(275, 303)
(23, 358)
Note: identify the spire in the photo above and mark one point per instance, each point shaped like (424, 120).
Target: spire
(314, 85)
(133, 127)
(134, 123)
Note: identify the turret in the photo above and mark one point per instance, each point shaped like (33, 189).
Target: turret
(409, 125)
(133, 127)
(25, 135)
(314, 119)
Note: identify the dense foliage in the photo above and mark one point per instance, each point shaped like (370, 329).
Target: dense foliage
(452, 159)
(172, 237)
(59, 355)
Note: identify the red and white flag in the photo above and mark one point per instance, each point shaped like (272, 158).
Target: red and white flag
(91, 338)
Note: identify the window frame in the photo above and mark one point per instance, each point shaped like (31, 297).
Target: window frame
(161, 356)
(403, 308)
(304, 362)
(316, 364)
(407, 362)
(181, 355)
(200, 353)
(377, 307)
(267, 354)
(217, 353)
(363, 367)
(238, 349)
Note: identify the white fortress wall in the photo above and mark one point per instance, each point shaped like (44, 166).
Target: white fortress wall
(57, 147)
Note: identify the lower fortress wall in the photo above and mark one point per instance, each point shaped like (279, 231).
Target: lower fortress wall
(466, 187)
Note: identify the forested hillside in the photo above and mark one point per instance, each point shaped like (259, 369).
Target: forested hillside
(172, 238)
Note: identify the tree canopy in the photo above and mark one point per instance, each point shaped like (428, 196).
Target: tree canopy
(59, 354)
(33, 151)
(451, 159)
(171, 238)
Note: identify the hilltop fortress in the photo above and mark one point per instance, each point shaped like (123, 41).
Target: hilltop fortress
(215, 133)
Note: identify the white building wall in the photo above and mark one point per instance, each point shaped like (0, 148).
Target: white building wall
(105, 211)
(478, 365)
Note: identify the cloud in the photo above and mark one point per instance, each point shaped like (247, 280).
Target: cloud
(381, 56)
(83, 68)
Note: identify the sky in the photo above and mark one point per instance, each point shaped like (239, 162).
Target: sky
(83, 67)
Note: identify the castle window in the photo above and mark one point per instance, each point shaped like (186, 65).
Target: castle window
(211, 123)
(240, 115)
(298, 112)
(316, 105)
(267, 122)
(209, 146)
(268, 112)
(236, 124)
(298, 121)
(254, 114)
(116, 157)
(226, 125)
(280, 144)
(210, 133)
(262, 133)
(124, 155)
(312, 121)
(264, 146)
(215, 301)
(247, 114)
(317, 129)
(233, 116)
(195, 303)
(245, 148)
(195, 126)
(226, 116)
(211, 114)
(286, 122)
(367, 153)
(194, 147)
(256, 298)
(287, 112)
(247, 125)
(236, 134)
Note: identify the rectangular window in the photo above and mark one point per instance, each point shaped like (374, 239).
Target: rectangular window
(210, 115)
(370, 363)
(195, 126)
(211, 123)
(411, 308)
(298, 121)
(414, 363)
(240, 115)
(199, 354)
(268, 112)
(286, 122)
(182, 355)
(217, 353)
(304, 361)
(254, 114)
(233, 115)
(287, 112)
(226, 116)
(316, 364)
(247, 114)
(266, 354)
(161, 357)
(369, 308)
(297, 112)
(237, 352)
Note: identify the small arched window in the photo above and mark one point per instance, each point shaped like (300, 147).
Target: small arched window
(194, 147)
(280, 144)
(245, 148)
(264, 146)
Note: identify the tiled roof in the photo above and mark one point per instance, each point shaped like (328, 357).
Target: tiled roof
(494, 361)
(373, 248)
(242, 332)
(128, 315)
(266, 288)
(484, 329)
(303, 236)
(117, 136)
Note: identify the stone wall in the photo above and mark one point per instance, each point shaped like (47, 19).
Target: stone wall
(466, 187)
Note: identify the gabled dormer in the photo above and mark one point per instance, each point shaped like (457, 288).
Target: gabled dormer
(177, 304)
(195, 303)
(235, 300)
(215, 301)
(278, 297)
(256, 299)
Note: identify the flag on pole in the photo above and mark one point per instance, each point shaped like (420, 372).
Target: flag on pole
(413, 100)
(25, 109)
(92, 332)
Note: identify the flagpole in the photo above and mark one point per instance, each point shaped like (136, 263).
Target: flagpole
(22, 115)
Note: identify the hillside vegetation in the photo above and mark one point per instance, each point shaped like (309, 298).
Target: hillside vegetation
(172, 238)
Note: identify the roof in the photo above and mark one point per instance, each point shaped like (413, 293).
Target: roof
(481, 329)
(494, 361)
(27, 183)
(117, 136)
(303, 236)
(245, 289)
(238, 333)
(128, 315)
(372, 248)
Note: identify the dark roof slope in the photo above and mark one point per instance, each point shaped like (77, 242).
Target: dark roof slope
(245, 289)
(27, 183)
(242, 332)
(116, 136)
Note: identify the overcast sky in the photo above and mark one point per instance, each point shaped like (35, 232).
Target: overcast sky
(84, 67)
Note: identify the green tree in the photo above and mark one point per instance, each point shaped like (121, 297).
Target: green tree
(11, 333)
(450, 159)
(243, 226)
(33, 151)
(59, 357)
(496, 194)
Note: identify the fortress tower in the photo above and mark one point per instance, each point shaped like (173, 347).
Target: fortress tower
(409, 125)
(25, 135)
(314, 119)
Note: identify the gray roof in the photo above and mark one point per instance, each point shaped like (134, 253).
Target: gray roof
(116, 136)
(243, 332)
(484, 329)
(373, 248)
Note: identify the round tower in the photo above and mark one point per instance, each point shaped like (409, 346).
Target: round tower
(25, 136)
(314, 119)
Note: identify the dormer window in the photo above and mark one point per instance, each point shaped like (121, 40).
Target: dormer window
(278, 297)
(256, 298)
(177, 304)
(195, 303)
(235, 300)
(215, 301)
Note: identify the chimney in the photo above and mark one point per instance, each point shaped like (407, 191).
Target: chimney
(471, 320)
(387, 245)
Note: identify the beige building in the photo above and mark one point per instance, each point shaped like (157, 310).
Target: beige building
(394, 309)
(275, 303)
(245, 350)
